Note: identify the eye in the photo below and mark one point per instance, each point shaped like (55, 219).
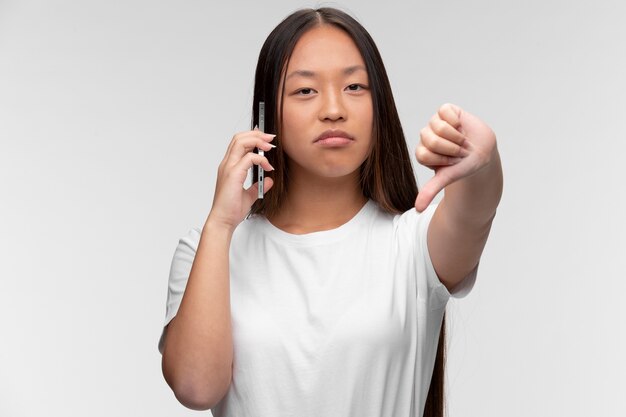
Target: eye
(305, 91)
(356, 87)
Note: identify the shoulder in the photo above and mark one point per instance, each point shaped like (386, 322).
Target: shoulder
(412, 223)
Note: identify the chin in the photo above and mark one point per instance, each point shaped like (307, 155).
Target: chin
(330, 168)
(337, 172)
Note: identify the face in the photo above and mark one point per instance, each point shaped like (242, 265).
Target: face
(326, 93)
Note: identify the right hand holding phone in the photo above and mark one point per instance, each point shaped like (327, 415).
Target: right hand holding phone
(231, 202)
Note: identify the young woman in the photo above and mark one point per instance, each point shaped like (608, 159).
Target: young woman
(327, 296)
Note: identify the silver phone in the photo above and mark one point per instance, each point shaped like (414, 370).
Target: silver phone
(260, 170)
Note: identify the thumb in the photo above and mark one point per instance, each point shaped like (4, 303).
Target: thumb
(430, 190)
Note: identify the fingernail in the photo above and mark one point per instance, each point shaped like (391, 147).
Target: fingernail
(271, 167)
(273, 146)
(256, 127)
(270, 135)
(464, 152)
(452, 161)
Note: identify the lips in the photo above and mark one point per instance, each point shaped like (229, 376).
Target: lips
(331, 133)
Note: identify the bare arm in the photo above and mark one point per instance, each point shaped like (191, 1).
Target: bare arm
(463, 152)
(198, 350)
(460, 226)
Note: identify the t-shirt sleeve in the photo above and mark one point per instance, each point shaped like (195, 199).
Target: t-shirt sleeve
(179, 274)
(414, 226)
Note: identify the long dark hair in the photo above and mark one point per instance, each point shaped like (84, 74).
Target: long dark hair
(386, 176)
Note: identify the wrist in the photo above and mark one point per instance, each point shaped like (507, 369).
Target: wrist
(215, 226)
(475, 198)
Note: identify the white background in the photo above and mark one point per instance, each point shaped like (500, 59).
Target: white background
(115, 114)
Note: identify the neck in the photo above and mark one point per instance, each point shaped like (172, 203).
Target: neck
(315, 204)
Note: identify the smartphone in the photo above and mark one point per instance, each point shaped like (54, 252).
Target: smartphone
(260, 170)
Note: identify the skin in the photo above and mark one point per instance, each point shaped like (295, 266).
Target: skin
(324, 194)
(462, 151)
(332, 93)
(324, 191)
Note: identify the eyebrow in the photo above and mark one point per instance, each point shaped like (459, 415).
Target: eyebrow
(311, 74)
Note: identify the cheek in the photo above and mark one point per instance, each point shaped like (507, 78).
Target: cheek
(289, 121)
(296, 125)
(292, 119)
(367, 116)
(368, 110)
(363, 109)
(291, 130)
(368, 126)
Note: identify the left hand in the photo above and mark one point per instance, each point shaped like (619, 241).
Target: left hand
(456, 145)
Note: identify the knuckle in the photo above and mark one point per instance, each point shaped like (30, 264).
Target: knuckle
(439, 126)
(258, 159)
(445, 108)
(421, 153)
(450, 113)
(252, 157)
(429, 139)
(240, 136)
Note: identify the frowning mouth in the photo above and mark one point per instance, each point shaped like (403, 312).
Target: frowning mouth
(334, 136)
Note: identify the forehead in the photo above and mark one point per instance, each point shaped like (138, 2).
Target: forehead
(324, 48)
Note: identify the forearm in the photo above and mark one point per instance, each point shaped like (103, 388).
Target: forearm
(461, 224)
(198, 352)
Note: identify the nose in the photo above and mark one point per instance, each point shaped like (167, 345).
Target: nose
(332, 107)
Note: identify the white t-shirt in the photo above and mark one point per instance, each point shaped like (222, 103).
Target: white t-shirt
(342, 322)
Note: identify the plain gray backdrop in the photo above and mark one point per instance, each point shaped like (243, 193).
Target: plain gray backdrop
(114, 116)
